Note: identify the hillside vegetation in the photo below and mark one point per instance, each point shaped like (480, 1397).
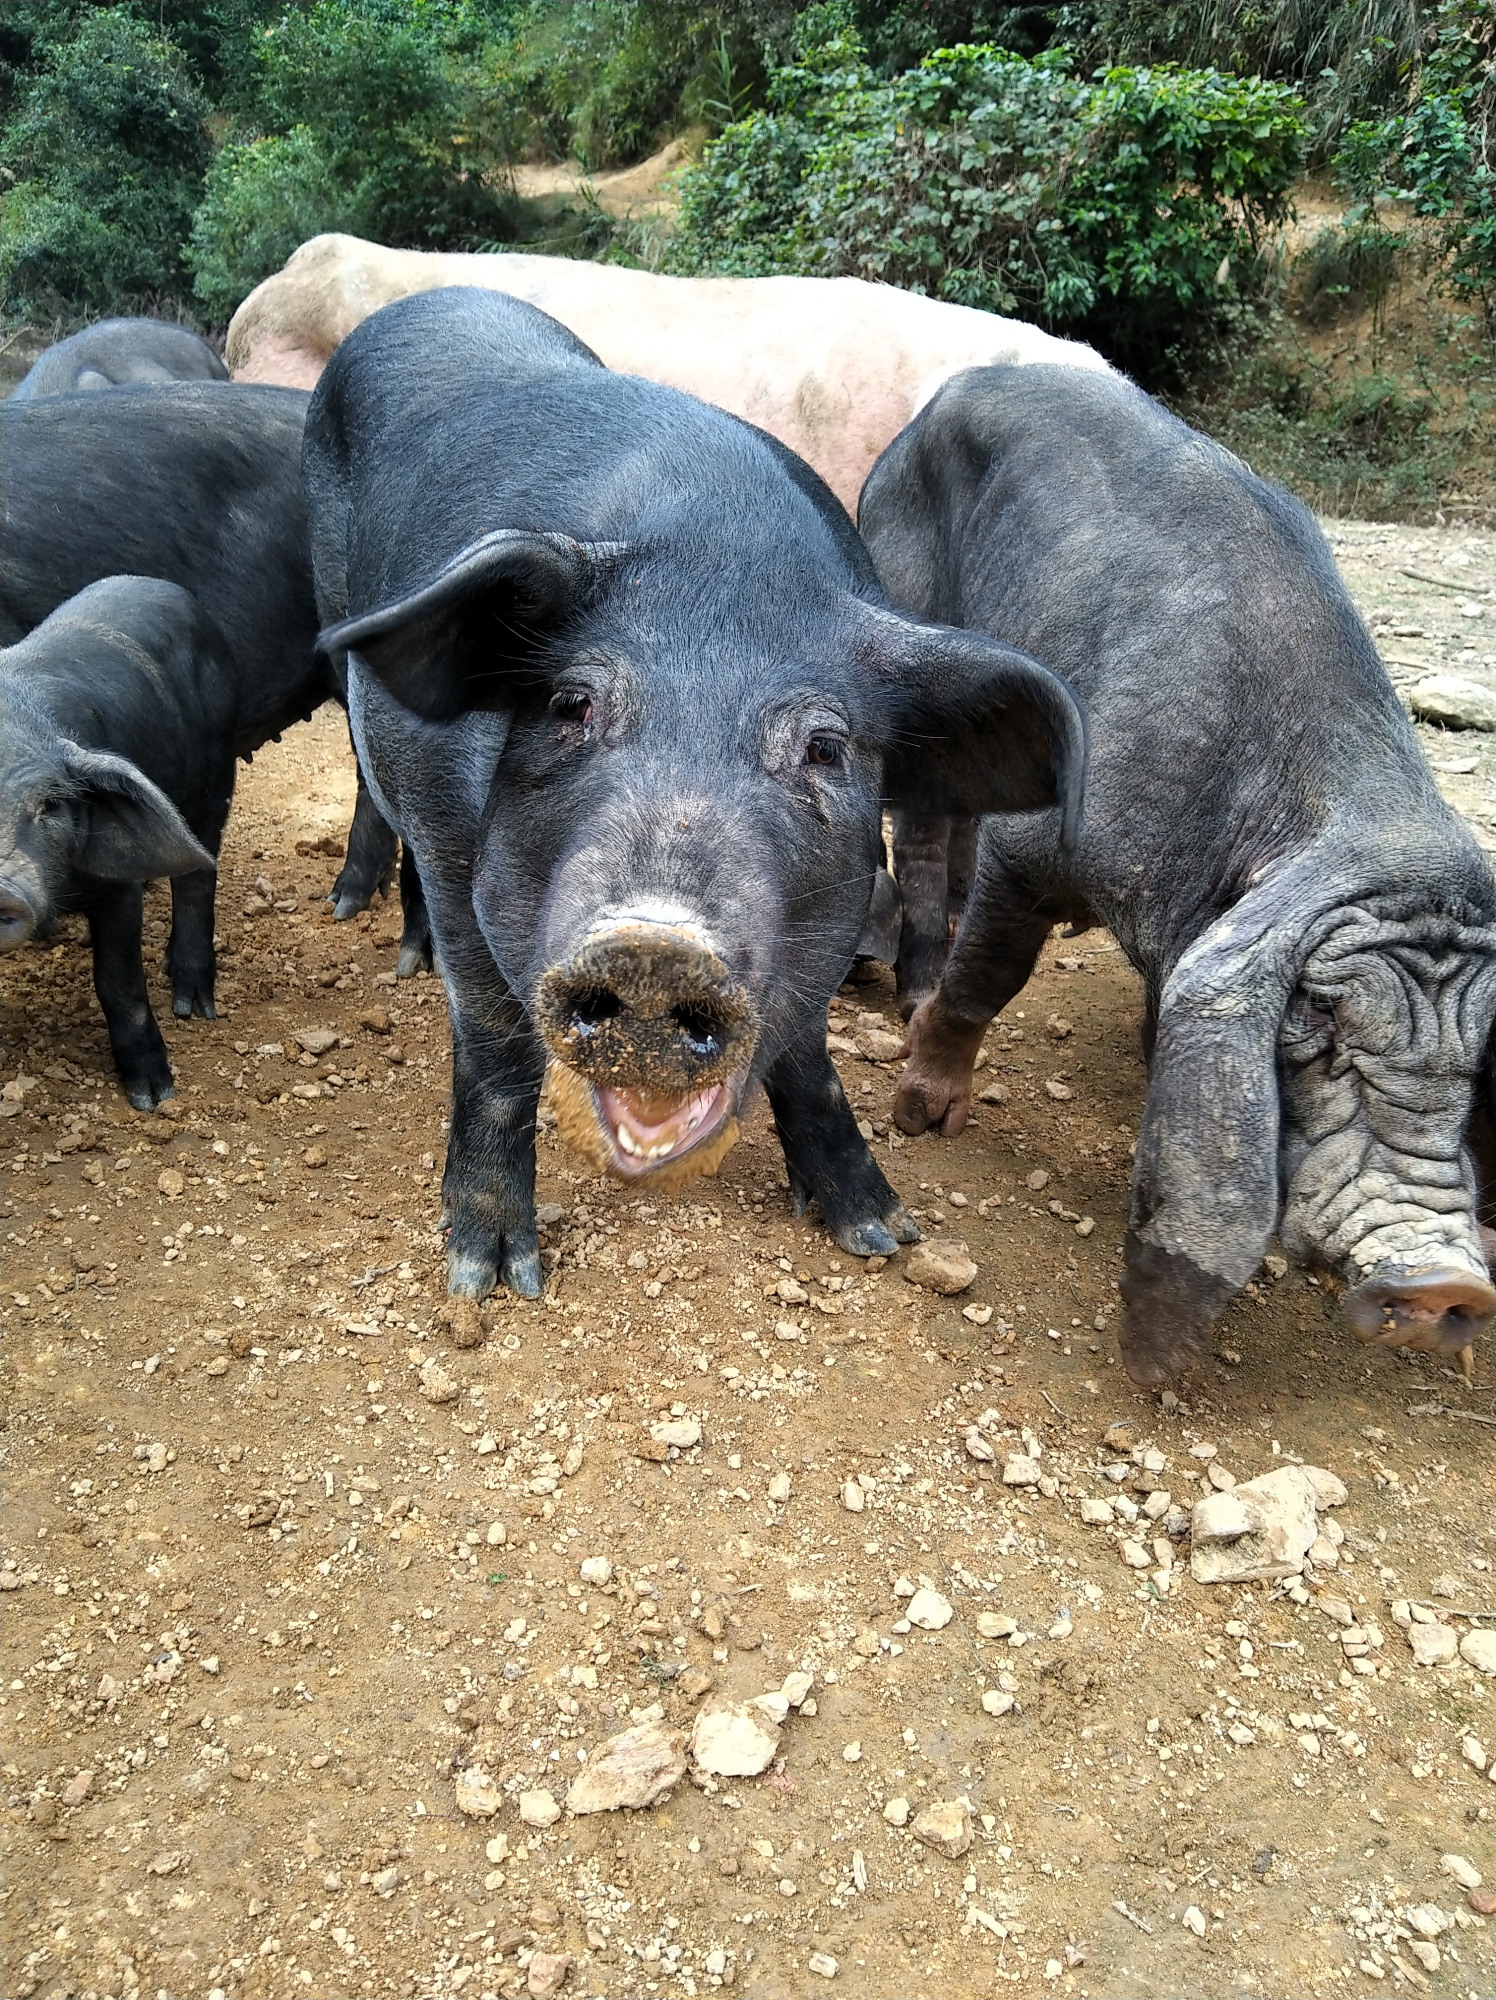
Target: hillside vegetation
(1116, 170)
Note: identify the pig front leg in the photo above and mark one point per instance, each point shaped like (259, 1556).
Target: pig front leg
(114, 926)
(828, 1159)
(488, 1189)
(369, 864)
(190, 962)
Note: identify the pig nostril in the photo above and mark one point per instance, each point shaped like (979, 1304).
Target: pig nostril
(701, 1025)
(591, 1006)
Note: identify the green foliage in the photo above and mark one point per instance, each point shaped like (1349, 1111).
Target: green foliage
(375, 117)
(107, 149)
(1126, 207)
(1435, 157)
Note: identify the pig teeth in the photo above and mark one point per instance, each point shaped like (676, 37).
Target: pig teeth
(635, 1148)
(627, 1141)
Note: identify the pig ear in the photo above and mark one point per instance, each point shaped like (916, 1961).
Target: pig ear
(130, 830)
(455, 639)
(979, 728)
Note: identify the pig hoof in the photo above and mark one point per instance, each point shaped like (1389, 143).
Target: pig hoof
(146, 1096)
(413, 958)
(470, 1277)
(879, 1236)
(184, 1005)
(521, 1272)
(346, 906)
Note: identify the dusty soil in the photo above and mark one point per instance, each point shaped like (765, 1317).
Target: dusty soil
(265, 1599)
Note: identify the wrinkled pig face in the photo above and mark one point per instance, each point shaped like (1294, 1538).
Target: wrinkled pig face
(1378, 1058)
(680, 831)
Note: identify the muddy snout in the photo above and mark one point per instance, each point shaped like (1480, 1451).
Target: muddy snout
(647, 1007)
(1439, 1311)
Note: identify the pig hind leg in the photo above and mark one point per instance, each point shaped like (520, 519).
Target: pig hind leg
(114, 924)
(827, 1157)
(1001, 936)
(369, 865)
(921, 867)
(415, 937)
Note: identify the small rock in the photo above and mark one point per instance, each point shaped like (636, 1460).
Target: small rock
(1462, 1871)
(384, 1880)
(733, 1740)
(780, 1488)
(997, 1701)
(994, 1093)
(897, 1811)
(317, 1041)
(1453, 701)
(1194, 1920)
(538, 1808)
(996, 1624)
(437, 1385)
(929, 1610)
(1097, 1513)
(1426, 1954)
(1482, 1901)
(1019, 1470)
(790, 1292)
(478, 1795)
(1471, 1749)
(1060, 1092)
(944, 1825)
(1478, 1650)
(866, 1642)
(1328, 1490)
(1428, 1920)
(796, 1687)
(1135, 1555)
(157, 1458)
(1433, 1645)
(852, 1753)
(876, 1045)
(682, 1432)
(823, 1963)
(597, 1570)
(1038, 1179)
(171, 1861)
(314, 1156)
(1261, 1529)
(852, 1496)
(170, 1182)
(977, 1446)
(940, 1265)
(633, 1770)
(978, 1315)
(546, 1973)
(375, 1020)
(464, 1321)
(77, 1788)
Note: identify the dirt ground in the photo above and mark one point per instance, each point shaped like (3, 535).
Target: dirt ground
(266, 1599)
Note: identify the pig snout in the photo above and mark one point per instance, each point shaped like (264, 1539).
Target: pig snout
(1442, 1310)
(651, 1039)
(19, 918)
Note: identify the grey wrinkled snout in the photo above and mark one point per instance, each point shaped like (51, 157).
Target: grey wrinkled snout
(1439, 1311)
(18, 921)
(648, 1006)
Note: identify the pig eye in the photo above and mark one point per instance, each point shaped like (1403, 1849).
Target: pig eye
(824, 751)
(46, 808)
(575, 706)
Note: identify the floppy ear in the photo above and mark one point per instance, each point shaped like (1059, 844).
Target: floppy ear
(452, 640)
(978, 728)
(130, 830)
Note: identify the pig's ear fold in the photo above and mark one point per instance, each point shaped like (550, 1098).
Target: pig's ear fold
(457, 638)
(129, 829)
(978, 728)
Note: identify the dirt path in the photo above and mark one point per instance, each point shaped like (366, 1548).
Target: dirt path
(267, 1599)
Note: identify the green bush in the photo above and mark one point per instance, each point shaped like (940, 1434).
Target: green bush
(1435, 157)
(1127, 208)
(107, 147)
(375, 117)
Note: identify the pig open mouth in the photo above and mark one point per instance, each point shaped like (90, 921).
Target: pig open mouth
(644, 1133)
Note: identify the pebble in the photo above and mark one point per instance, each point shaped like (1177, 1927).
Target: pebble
(1038, 1179)
(1194, 1920)
(996, 1624)
(682, 1432)
(546, 1973)
(596, 1569)
(1135, 1555)
(157, 1458)
(538, 1808)
(996, 1702)
(1453, 701)
(170, 1182)
(1462, 1871)
(897, 1811)
(945, 1825)
(1482, 1901)
(852, 1496)
(977, 1446)
(1478, 1649)
(478, 1794)
(1097, 1513)
(1427, 1919)
(852, 1753)
(1433, 1645)
(634, 1769)
(940, 1265)
(733, 1740)
(314, 1156)
(978, 1315)
(780, 1488)
(822, 1963)
(1019, 1470)
(1261, 1530)
(317, 1041)
(1474, 1752)
(929, 1610)
(77, 1788)
(437, 1385)
(1426, 1954)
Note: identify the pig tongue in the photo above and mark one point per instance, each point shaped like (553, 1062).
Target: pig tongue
(648, 1127)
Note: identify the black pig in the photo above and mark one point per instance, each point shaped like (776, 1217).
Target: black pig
(114, 352)
(1315, 929)
(199, 483)
(118, 767)
(621, 674)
